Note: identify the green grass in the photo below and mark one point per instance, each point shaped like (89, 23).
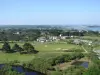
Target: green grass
(49, 47)
(55, 47)
(6, 57)
(97, 48)
(46, 50)
(92, 37)
(47, 55)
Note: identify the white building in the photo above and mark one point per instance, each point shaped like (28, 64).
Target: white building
(41, 39)
(17, 33)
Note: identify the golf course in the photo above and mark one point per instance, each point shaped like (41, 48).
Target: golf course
(46, 50)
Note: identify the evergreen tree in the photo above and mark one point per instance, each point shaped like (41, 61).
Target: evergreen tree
(28, 48)
(17, 48)
(6, 47)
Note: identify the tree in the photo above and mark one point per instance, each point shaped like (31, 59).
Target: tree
(6, 47)
(17, 48)
(56, 73)
(39, 64)
(8, 70)
(29, 48)
(93, 70)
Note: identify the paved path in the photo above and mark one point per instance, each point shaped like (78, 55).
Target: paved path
(85, 50)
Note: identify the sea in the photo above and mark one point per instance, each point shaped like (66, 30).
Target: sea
(80, 27)
(93, 28)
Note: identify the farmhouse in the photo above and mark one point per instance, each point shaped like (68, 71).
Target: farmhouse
(50, 38)
(41, 39)
(63, 37)
(17, 33)
(76, 41)
(53, 37)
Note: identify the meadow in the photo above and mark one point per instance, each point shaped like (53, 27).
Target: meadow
(46, 50)
(92, 37)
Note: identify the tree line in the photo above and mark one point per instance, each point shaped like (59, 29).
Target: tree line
(27, 48)
(45, 65)
(33, 34)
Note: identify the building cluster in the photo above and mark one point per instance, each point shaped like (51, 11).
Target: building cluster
(53, 38)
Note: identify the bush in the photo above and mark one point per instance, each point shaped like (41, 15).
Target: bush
(56, 73)
(66, 58)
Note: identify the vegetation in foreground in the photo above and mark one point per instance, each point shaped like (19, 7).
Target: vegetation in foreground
(20, 48)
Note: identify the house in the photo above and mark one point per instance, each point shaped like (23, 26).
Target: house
(63, 37)
(17, 33)
(50, 38)
(76, 41)
(53, 38)
(41, 39)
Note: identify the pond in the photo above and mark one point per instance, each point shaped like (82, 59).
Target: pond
(85, 64)
(81, 63)
(23, 70)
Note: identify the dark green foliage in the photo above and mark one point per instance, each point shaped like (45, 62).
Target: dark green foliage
(17, 48)
(19, 34)
(74, 50)
(7, 70)
(56, 73)
(74, 70)
(25, 34)
(67, 57)
(95, 68)
(6, 47)
(91, 33)
(39, 64)
(29, 48)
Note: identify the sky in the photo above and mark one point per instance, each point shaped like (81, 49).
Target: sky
(49, 12)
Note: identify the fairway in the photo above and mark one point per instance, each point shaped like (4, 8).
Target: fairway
(49, 47)
(92, 37)
(97, 48)
(46, 50)
(6, 57)
(55, 47)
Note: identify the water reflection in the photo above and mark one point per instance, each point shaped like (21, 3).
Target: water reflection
(81, 63)
(85, 64)
(23, 70)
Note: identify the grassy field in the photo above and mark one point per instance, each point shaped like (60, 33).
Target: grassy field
(49, 47)
(5, 57)
(97, 48)
(92, 37)
(46, 50)
(55, 47)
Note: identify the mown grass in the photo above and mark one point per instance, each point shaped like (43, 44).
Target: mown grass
(92, 37)
(97, 48)
(55, 47)
(6, 57)
(49, 47)
(46, 50)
